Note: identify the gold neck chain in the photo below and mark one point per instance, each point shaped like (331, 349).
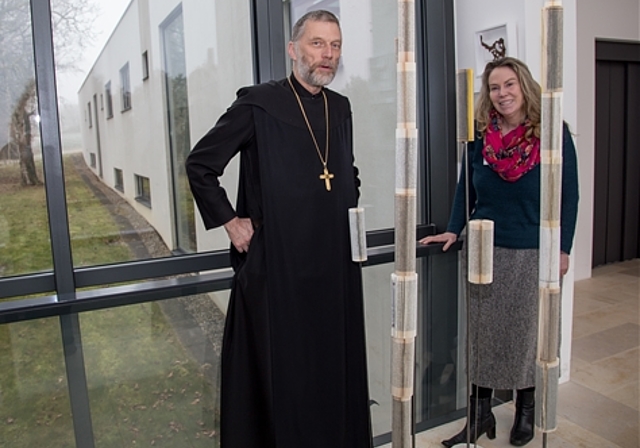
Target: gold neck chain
(326, 176)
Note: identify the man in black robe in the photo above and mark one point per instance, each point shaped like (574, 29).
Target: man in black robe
(293, 359)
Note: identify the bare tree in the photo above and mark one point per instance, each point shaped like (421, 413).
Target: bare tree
(72, 22)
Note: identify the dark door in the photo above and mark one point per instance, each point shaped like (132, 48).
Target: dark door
(616, 222)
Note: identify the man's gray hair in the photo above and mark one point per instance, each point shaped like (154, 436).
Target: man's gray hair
(317, 16)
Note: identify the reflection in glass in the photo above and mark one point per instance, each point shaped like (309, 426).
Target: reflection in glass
(97, 133)
(125, 88)
(179, 142)
(439, 377)
(377, 306)
(367, 76)
(157, 79)
(440, 356)
(152, 372)
(34, 400)
(109, 102)
(143, 190)
(24, 235)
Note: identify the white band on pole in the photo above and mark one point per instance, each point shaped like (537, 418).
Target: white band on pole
(480, 251)
(358, 235)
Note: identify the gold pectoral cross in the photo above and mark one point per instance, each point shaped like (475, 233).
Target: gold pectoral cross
(327, 176)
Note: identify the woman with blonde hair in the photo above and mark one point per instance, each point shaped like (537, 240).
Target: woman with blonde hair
(504, 174)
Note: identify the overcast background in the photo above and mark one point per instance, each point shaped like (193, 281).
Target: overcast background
(110, 12)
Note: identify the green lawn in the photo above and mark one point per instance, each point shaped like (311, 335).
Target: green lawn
(25, 245)
(145, 387)
(24, 236)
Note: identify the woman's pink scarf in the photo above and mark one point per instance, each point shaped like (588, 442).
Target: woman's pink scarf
(513, 155)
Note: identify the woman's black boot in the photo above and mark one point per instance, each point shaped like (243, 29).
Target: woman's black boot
(522, 431)
(484, 423)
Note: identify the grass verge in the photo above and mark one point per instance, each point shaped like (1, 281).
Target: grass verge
(145, 387)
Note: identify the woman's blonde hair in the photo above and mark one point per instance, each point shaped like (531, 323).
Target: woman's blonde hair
(531, 93)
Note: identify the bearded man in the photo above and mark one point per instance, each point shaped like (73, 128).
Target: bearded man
(293, 358)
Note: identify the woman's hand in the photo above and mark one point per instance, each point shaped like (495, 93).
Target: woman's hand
(448, 238)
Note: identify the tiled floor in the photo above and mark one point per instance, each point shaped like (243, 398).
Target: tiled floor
(599, 406)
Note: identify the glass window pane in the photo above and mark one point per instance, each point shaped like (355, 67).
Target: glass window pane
(440, 381)
(125, 89)
(376, 281)
(152, 372)
(34, 399)
(24, 231)
(172, 68)
(107, 93)
(367, 76)
(178, 110)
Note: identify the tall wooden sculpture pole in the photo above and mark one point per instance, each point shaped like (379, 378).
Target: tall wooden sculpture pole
(548, 366)
(405, 280)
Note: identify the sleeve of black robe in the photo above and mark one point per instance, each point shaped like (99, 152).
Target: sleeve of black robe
(210, 156)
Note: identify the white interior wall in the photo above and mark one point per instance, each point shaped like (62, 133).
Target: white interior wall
(584, 22)
(614, 19)
(477, 15)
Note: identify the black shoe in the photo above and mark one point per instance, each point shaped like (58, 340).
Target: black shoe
(522, 431)
(486, 419)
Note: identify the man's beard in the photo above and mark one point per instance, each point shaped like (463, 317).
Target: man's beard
(309, 74)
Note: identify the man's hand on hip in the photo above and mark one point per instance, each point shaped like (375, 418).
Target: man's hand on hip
(240, 231)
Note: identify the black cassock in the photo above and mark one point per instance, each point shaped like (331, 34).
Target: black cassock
(293, 359)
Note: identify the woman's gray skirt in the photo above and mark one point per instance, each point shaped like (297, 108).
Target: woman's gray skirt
(504, 322)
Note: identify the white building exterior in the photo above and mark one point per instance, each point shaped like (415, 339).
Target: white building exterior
(137, 141)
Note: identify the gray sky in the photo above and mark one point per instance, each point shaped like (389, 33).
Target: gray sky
(110, 13)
